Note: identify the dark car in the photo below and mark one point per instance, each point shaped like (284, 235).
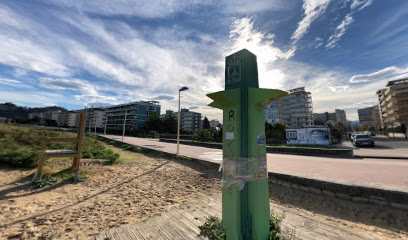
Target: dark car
(363, 140)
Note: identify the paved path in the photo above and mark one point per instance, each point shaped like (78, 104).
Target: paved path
(369, 172)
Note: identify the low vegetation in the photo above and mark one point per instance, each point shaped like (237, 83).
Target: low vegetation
(19, 145)
(213, 229)
(44, 181)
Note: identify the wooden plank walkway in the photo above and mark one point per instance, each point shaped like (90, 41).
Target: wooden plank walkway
(178, 223)
(181, 223)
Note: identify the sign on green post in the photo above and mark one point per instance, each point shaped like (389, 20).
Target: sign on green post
(245, 195)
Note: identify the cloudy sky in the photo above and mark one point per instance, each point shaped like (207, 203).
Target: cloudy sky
(82, 53)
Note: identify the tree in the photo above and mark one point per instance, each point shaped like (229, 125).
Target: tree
(170, 124)
(153, 123)
(206, 123)
(276, 132)
(203, 135)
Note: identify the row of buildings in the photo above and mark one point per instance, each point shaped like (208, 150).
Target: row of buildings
(326, 118)
(295, 110)
(392, 108)
(132, 114)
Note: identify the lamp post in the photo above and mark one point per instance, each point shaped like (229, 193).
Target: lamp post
(178, 119)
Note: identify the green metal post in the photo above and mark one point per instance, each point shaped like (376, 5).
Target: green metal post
(245, 203)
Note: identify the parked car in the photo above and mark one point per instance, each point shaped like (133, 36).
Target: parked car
(363, 140)
(353, 135)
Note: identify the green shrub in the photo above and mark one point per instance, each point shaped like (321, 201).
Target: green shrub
(44, 181)
(19, 145)
(81, 177)
(274, 228)
(107, 154)
(153, 134)
(213, 229)
(204, 135)
(22, 158)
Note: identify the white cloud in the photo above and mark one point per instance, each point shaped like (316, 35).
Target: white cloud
(319, 42)
(8, 18)
(10, 82)
(312, 10)
(167, 8)
(243, 35)
(339, 88)
(31, 98)
(244, 6)
(340, 31)
(117, 56)
(359, 5)
(88, 93)
(140, 8)
(330, 89)
(388, 73)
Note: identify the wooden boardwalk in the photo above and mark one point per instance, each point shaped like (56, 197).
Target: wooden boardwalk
(178, 223)
(181, 223)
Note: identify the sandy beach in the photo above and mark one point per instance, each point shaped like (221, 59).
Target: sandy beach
(142, 186)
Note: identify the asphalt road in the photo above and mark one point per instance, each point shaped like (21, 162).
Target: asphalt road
(389, 174)
(384, 147)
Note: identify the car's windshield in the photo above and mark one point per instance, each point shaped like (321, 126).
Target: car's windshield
(362, 136)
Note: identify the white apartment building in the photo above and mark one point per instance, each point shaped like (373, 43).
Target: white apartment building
(294, 110)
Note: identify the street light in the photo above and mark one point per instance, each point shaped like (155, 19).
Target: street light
(178, 119)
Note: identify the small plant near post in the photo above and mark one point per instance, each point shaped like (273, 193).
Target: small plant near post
(44, 181)
(214, 230)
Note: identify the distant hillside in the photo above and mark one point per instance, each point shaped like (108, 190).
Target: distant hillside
(10, 110)
(352, 123)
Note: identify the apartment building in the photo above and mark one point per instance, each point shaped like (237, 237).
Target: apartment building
(190, 121)
(338, 116)
(393, 103)
(68, 119)
(133, 113)
(370, 116)
(45, 116)
(294, 110)
(274, 112)
(95, 119)
(169, 113)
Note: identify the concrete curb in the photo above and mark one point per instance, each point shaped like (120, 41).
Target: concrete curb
(270, 149)
(359, 194)
(311, 151)
(382, 157)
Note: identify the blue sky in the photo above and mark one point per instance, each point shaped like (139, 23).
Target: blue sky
(81, 53)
